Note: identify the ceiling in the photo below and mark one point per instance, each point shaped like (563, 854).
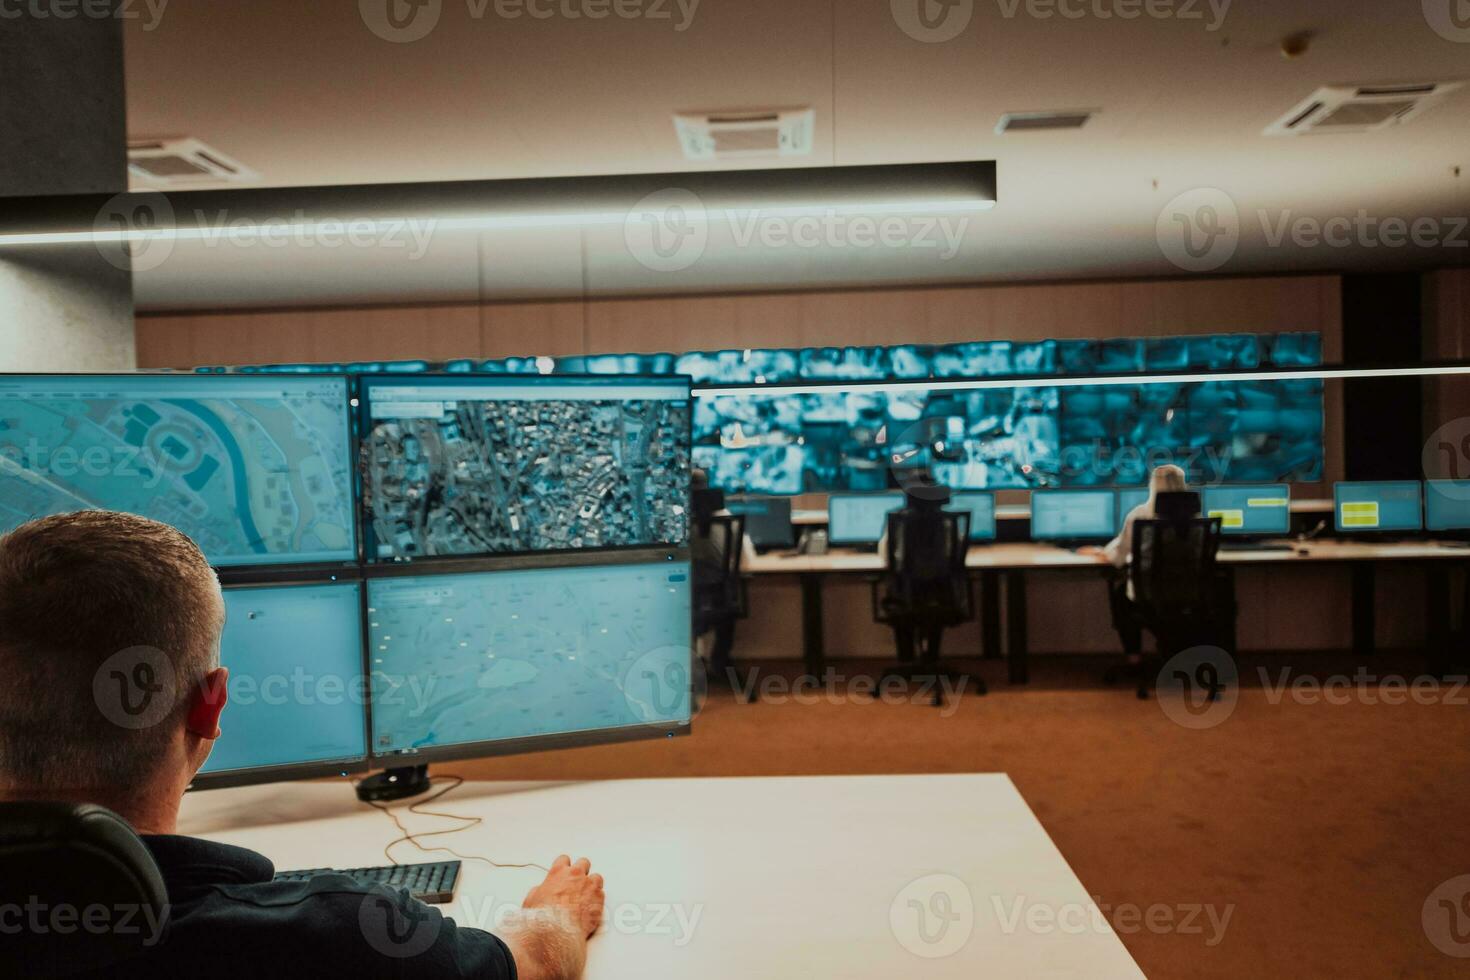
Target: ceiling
(308, 94)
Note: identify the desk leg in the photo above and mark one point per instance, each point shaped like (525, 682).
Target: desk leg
(1365, 615)
(990, 615)
(812, 643)
(1019, 669)
(1438, 628)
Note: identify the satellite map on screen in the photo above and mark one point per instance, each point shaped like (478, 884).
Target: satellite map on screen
(459, 477)
(253, 473)
(499, 655)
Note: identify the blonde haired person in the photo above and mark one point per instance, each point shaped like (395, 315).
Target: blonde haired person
(1167, 478)
(1118, 552)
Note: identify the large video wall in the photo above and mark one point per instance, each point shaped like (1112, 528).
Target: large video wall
(1032, 435)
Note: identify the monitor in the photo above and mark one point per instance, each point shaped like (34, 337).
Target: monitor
(1447, 505)
(1263, 509)
(1130, 498)
(257, 469)
(767, 520)
(297, 693)
(496, 661)
(1073, 515)
(1392, 505)
(860, 518)
(499, 464)
(981, 508)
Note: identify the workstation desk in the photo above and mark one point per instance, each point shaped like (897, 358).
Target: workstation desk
(1008, 565)
(735, 878)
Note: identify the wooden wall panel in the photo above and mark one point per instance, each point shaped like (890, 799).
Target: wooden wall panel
(677, 323)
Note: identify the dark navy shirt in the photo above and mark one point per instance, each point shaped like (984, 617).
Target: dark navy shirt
(228, 919)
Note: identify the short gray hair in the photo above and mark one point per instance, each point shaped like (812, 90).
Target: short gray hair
(81, 596)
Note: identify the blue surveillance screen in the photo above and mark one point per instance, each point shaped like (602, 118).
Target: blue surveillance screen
(981, 507)
(1447, 505)
(297, 694)
(462, 659)
(1393, 505)
(1250, 510)
(466, 466)
(860, 518)
(1128, 499)
(1062, 515)
(255, 468)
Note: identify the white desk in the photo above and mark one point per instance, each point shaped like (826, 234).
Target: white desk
(789, 877)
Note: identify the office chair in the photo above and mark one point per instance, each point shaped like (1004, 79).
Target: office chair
(1182, 505)
(924, 591)
(720, 596)
(1177, 587)
(69, 858)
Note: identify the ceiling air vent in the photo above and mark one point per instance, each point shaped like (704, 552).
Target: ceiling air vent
(1017, 122)
(765, 132)
(183, 162)
(1359, 108)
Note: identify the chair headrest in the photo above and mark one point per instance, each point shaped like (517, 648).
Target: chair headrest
(99, 895)
(1177, 505)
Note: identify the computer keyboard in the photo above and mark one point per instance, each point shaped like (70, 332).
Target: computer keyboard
(432, 882)
(1257, 546)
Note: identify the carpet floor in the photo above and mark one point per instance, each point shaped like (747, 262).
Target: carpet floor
(1322, 825)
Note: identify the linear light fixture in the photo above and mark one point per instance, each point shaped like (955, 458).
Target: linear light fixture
(1326, 373)
(493, 204)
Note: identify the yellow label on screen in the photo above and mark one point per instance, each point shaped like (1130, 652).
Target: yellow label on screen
(1229, 518)
(1266, 502)
(1360, 513)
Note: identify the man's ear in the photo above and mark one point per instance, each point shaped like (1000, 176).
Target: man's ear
(206, 702)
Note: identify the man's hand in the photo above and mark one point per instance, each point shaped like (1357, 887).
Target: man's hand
(548, 938)
(571, 888)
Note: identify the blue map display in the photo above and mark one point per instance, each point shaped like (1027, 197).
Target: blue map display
(257, 470)
(296, 689)
(490, 656)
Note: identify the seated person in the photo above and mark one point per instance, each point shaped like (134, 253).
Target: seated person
(77, 589)
(1118, 552)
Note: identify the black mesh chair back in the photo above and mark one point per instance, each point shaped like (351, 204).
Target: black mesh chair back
(80, 864)
(926, 577)
(719, 592)
(1173, 569)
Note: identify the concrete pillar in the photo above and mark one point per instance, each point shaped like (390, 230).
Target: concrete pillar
(63, 130)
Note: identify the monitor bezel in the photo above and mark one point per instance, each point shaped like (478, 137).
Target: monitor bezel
(291, 772)
(1371, 531)
(531, 743)
(1234, 534)
(352, 447)
(363, 417)
(788, 541)
(1062, 538)
(851, 542)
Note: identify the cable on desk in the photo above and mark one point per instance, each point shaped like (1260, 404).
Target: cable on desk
(415, 838)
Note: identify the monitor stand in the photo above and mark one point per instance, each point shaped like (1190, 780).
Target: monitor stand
(394, 784)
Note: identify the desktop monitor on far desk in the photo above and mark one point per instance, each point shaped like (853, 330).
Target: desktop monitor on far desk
(1250, 511)
(1447, 505)
(1073, 516)
(981, 508)
(767, 521)
(857, 520)
(297, 691)
(1385, 507)
(1129, 499)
